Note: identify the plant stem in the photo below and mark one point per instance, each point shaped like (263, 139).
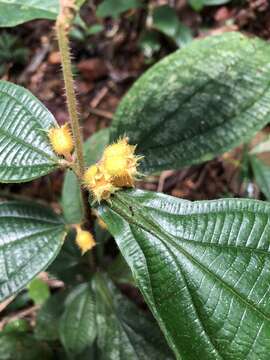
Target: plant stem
(62, 27)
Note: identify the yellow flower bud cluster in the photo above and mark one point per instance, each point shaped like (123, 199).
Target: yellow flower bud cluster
(84, 239)
(61, 140)
(116, 169)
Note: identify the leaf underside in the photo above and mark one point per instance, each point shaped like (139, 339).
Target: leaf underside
(203, 268)
(31, 236)
(198, 102)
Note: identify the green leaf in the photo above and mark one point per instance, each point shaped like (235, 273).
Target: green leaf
(112, 8)
(94, 29)
(124, 332)
(31, 236)
(15, 12)
(71, 197)
(149, 43)
(16, 346)
(48, 317)
(69, 263)
(165, 20)
(197, 5)
(215, 2)
(198, 102)
(78, 323)
(94, 146)
(25, 151)
(119, 271)
(17, 326)
(261, 173)
(38, 291)
(203, 268)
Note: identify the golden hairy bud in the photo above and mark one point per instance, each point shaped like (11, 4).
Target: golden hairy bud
(85, 240)
(61, 140)
(121, 149)
(116, 169)
(99, 183)
(120, 162)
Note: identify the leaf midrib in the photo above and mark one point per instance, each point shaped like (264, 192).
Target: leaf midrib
(27, 145)
(30, 236)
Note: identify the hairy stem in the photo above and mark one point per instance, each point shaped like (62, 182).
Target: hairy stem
(62, 26)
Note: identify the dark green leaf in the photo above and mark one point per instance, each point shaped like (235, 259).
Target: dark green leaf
(71, 197)
(48, 317)
(261, 173)
(203, 268)
(149, 43)
(38, 291)
(165, 20)
(17, 326)
(15, 12)
(112, 8)
(16, 346)
(68, 265)
(25, 151)
(119, 271)
(31, 236)
(78, 323)
(198, 102)
(124, 332)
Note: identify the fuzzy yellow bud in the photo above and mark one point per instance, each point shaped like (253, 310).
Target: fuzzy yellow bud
(90, 176)
(120, 162)
(61, 140)
(116, 169)
(99, 183)
(84, 240)
(115, 165)
(121, 149)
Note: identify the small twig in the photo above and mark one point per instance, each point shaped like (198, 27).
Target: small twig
(164, 175)
(99, 97)
(102, 113)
